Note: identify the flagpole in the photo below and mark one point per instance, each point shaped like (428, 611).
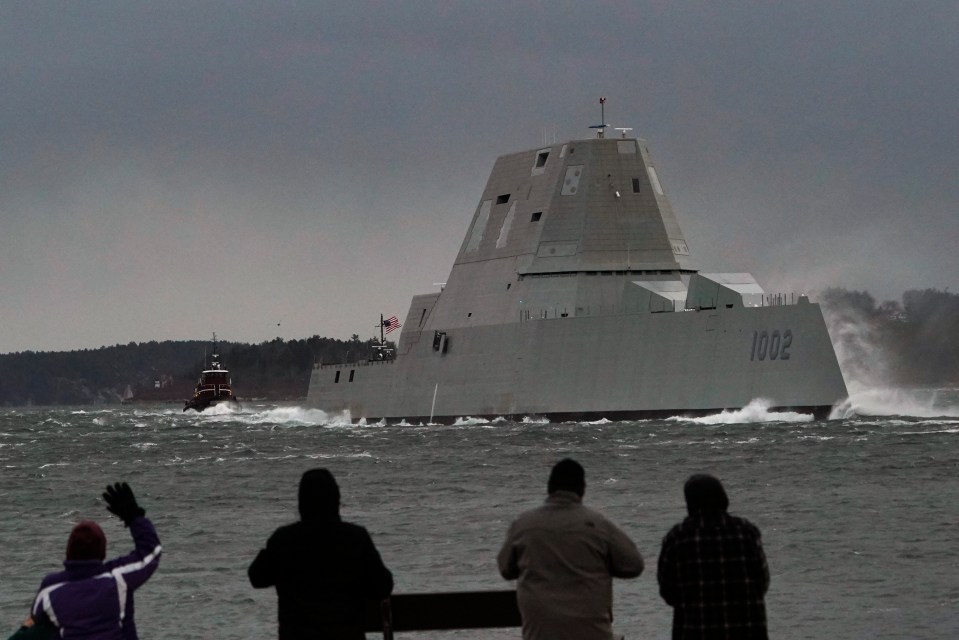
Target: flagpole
(382, 339)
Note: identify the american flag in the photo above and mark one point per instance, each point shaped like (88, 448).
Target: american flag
(391, 323)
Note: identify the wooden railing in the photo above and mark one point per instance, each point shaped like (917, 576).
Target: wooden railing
(443, 611)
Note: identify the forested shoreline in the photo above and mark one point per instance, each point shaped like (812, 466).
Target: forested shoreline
(167, 371)
(912, 342)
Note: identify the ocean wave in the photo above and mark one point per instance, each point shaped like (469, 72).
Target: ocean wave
(756, 411)
(344, 420)
(287, 416)
(929, 432)
(299, 416)
(344, 456)
(223, 409)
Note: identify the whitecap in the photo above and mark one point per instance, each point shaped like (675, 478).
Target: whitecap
(756, 411)
(275, 416)
(469, 421)
(325, 456)
(930, 432)
(222, 409)
(299, 416)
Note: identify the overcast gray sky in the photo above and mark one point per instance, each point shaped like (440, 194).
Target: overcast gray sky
(264, 169)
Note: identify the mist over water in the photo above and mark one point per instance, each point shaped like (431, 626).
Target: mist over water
(858, 514)
(865, 368)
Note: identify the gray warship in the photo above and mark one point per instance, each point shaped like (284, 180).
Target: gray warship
(575, 297)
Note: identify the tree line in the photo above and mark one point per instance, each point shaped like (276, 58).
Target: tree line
(167, 371)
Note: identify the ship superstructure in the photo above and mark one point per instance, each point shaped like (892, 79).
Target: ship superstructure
(575, 296)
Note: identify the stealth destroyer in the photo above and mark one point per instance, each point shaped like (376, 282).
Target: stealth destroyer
(575, 296)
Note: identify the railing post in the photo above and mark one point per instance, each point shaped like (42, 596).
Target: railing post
(386, 611)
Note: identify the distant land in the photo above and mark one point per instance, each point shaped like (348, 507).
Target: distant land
(912, 342)
(167, 371)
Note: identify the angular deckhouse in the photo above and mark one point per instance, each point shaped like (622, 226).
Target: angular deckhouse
(575, 297)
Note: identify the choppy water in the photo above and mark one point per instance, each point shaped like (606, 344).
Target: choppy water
(859, 514)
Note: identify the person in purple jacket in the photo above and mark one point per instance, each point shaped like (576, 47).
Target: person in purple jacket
(93, 599)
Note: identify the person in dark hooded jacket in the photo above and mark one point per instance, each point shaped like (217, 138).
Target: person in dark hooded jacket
(324, 569)
(93, 599)
(712, 569)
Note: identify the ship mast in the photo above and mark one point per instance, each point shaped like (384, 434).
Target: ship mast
(215, 364)
(602, 119)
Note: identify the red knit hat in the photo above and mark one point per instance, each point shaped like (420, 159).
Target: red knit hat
(86, 542)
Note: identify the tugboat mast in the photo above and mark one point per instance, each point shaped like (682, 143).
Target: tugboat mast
(215, 364)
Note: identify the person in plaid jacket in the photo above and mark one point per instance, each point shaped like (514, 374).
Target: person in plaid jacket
(712, 569)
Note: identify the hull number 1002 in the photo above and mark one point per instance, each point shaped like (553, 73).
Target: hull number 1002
(773, 344)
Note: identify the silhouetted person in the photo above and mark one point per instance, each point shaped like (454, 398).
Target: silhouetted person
(712, 569)
(564, 557)
(324, 569)
(93, 599)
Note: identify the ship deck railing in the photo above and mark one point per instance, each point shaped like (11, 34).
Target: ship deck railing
(355, 363)
(442, 612)
(677, 306)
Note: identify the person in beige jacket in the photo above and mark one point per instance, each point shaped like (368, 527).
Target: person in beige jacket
(564, 557)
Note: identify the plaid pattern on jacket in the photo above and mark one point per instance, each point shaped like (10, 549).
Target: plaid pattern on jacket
(713, 572)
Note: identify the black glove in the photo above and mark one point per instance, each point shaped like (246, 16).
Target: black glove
(121, 503)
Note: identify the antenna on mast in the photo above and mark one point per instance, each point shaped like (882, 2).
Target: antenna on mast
(623, 130)
(602, 118)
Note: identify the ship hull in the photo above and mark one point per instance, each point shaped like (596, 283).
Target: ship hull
(627, 366)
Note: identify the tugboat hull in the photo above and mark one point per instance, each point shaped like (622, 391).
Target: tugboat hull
(213, 387)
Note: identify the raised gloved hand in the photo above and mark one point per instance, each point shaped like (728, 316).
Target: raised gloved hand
(121, 503)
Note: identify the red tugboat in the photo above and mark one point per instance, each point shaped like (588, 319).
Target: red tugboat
(213, 387)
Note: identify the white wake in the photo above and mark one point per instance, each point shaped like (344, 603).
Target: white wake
(755, 411)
